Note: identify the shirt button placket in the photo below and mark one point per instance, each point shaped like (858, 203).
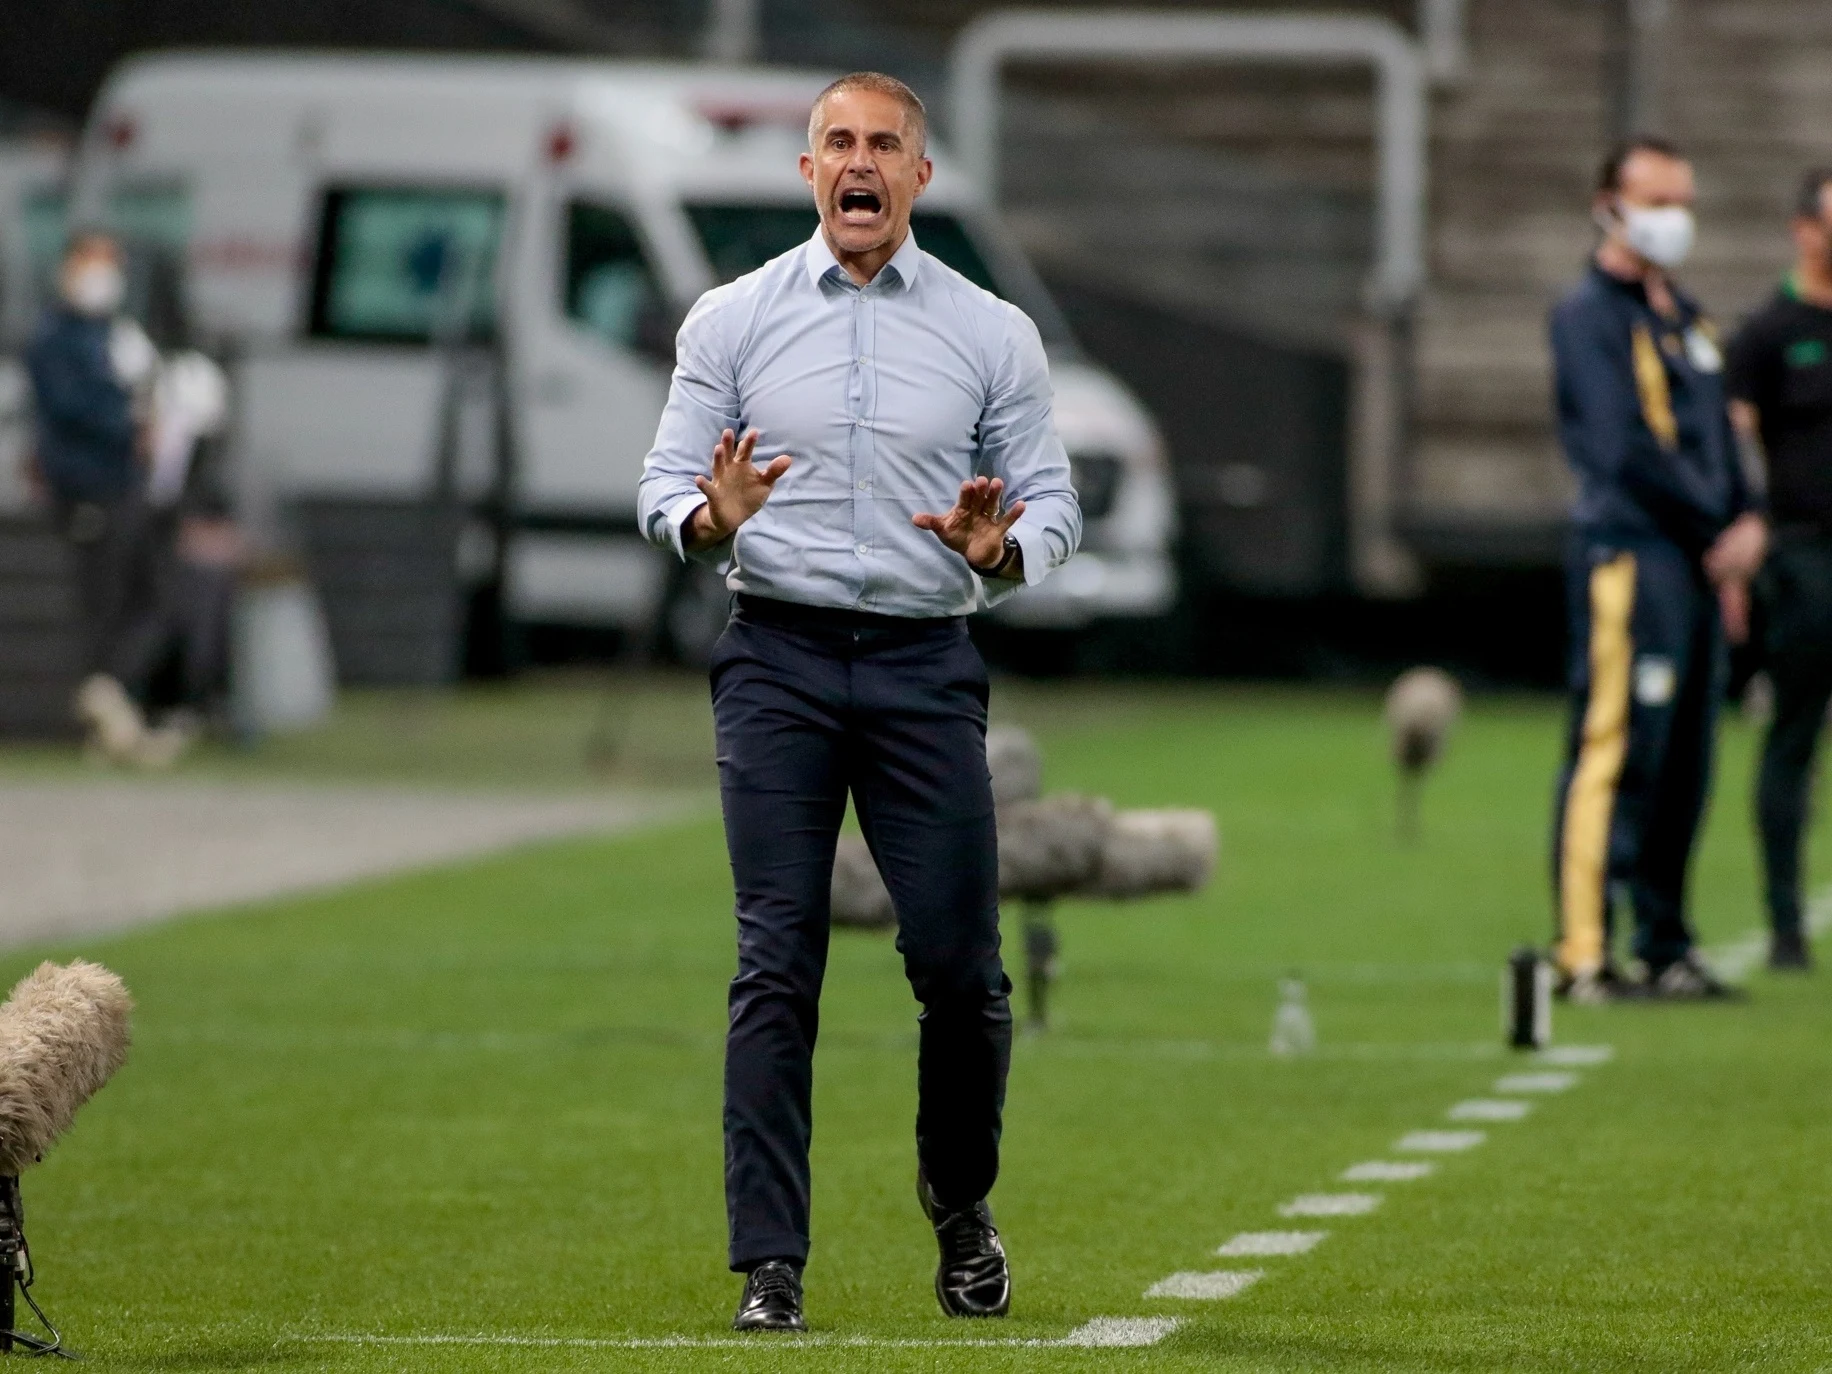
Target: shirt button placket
(856, 401)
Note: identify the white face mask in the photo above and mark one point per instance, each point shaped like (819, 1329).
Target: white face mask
(1662, 235)
(95, 288)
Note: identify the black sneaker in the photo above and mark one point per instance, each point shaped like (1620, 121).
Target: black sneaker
(772, 1299)
(1687, 980)
(1788, 952)
(973, 1279)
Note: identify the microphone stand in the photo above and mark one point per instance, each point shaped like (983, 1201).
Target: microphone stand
(16, 1271)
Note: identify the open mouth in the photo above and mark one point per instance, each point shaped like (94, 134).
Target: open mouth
(860, 204)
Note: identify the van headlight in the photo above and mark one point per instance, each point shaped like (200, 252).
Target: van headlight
(1096, 475)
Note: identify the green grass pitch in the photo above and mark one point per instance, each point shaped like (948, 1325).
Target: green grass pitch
(485, 1101)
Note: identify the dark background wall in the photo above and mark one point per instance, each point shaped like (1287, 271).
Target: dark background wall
(56, 52)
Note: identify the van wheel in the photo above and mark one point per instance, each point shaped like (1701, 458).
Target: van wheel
(694, 614)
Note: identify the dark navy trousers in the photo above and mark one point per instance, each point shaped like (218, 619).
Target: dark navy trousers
(1647, 669)
(812, 706)
(1796, 594)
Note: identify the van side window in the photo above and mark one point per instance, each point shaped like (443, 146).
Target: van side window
(407, 264)
(609, 286)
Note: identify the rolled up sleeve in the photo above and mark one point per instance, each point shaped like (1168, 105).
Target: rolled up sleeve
(702, 403)
(1019, 444)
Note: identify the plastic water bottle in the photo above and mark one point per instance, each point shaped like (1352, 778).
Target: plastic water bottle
(1293, 1032)
(1526, 1000)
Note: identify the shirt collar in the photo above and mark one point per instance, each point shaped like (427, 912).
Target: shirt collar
(1638, 292)
(820, 260)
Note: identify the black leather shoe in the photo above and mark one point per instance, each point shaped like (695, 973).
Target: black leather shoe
(1687, 979)
(772, 1299)
(973, 1279)
(1788, 953)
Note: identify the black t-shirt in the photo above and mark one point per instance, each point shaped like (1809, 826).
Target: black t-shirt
(1781, 363)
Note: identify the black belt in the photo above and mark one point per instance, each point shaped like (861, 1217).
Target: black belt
(770, 611)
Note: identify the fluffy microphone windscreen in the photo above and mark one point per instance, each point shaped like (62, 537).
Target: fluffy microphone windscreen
(1422, 707)
(1148, 852)
(63, 1033)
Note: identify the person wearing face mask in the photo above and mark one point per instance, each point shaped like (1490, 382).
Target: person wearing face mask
(86, 362)
(1666, 535)
(1780, 377)
(862, 440)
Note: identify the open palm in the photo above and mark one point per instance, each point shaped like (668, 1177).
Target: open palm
(976, 527)
(737, 488)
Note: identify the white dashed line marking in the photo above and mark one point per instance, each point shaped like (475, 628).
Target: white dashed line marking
(1120, 1331)
(1216, 1284)
(1555, 1081)
(1331, 1205)
(1489, 1109)
(1439, 1142)
(1270, 1243)
(1577, 1056)
(1387, 1171)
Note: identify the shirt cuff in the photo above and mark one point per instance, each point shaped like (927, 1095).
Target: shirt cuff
(1036, 557)
(677, 516)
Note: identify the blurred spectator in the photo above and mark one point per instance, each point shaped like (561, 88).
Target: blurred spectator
(89, 366)
(197, 550)
(1780, 378)
(1665, 540)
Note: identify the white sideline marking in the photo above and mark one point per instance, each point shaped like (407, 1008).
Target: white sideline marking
(1733, 959)
(1554, 1082)
(1387, 1171)
(1489, 1109)
(1331, 1205)
(1270, 1243)
(1577, 1056)
(647, 1342)
(1439, 1142)
(1117, 1331)
(1214, 1285)
(1201, 1050)
(1101, 1331)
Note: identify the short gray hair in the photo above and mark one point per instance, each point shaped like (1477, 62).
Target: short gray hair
(915, 116)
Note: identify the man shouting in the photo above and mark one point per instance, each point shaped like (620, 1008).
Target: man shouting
(862, 439)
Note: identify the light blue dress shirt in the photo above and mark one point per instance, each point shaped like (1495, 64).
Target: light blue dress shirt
(886, 397)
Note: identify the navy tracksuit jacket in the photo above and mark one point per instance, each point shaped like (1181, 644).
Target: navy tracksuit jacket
(1642, 417)
(85, 421)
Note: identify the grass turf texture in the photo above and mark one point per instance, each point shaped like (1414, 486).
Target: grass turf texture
(485, 1099)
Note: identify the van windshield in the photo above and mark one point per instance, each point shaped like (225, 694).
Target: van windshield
(609, 287)
(741, 238)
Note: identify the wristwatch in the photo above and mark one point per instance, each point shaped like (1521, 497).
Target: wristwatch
(1005, 560)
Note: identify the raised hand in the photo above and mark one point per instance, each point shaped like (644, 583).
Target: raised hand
(736, 490)
(976, 527)
(1737, 553)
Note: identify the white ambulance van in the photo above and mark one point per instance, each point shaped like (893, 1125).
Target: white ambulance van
(31, 235)
(351, 226)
